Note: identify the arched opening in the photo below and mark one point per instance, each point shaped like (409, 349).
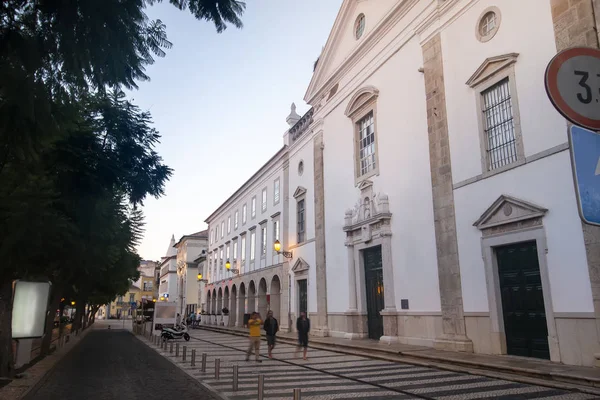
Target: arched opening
(251, 306)
(209, 300)
(213, 310)
(225, 305)
(233, 309)
(275, 298)
(219, 306)
(241, 305)
(262, 298)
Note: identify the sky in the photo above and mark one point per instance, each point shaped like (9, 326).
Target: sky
(220, 102)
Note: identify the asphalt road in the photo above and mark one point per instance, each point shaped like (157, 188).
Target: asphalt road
(114, 364)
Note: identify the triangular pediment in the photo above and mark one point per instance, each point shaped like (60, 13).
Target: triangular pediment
(300, 191)
(365, 184)
(300, 266)
(342, 43)
(490, 67)
(507, 210)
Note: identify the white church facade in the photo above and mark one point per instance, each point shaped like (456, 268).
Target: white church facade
(427, 196)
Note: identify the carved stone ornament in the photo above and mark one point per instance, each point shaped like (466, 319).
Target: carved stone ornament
(366, 219)
(507, 210)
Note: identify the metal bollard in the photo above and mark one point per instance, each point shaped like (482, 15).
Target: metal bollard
(217, 368)
(261, 386)
(203, 368)
(171, 348)
(297, 394)
(176, 349)
(235, 378)
(184, 352)
(193, 357)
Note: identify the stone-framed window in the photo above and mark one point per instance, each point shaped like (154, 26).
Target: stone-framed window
(362, 111)
(244, 213)
(236, 219)
(263, 240)
(359, 26)
(300, 196)
(235, 250)
(276, 191)
(243, 250)
(276, 230)
(252, 245)
(253, 208)
(222, 229)
(217, 233)
(301, 220)
(229, 224)
(488, 24)
(212, 236)
(263, 204)
(500, 136)
(227, 253)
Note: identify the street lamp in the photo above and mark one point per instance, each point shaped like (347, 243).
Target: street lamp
(199, 277)
(154, 300)
(162, 298)
(277, 248)
(233, 270)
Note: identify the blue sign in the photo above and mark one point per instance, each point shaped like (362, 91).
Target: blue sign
(585, 156)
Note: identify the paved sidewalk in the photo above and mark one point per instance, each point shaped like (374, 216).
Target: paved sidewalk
(331, 375)
(539, 369)
(114, 365)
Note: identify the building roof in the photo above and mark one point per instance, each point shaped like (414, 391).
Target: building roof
(243, 186)
(198, 235)
(171, 251)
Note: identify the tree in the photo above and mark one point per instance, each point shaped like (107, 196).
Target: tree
(71, 147)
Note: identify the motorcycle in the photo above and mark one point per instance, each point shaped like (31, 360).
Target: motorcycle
(175, 333)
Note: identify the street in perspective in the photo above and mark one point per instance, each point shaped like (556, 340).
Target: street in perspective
(325, 199)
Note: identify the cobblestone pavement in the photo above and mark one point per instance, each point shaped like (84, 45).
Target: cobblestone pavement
(114, 365)
(330, 375)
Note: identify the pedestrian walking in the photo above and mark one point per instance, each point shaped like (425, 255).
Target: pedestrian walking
(193, 318)
(254, 324)
(177, 320)
(303, 327)
(271, 328)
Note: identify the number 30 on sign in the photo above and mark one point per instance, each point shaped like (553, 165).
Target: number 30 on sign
(573, 85)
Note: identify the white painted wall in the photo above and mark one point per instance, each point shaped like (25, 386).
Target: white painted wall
(546, 182)
(404, 175)
(266, 178)
(303, 151)
(567, 264)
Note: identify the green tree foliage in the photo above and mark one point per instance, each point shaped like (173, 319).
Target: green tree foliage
(77, 159)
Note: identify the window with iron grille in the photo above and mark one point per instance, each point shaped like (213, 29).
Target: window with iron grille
(366, 144)
(300, 220)
(499, 127)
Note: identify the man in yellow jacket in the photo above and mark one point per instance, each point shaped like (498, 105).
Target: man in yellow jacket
(254, 324)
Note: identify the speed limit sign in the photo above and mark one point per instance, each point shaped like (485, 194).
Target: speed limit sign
(573, 85)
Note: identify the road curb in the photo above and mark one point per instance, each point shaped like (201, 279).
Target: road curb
(551, 381)
(202, 384)
(53, 361)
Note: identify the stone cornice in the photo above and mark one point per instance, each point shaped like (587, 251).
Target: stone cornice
(248, 187)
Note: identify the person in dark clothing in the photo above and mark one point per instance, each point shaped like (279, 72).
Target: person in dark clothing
(271, 327)
(303, 327)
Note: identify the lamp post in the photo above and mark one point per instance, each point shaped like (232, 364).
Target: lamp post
(233, 270)
(277, 248)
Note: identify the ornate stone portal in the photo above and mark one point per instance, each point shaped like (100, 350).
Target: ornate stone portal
(368, 225)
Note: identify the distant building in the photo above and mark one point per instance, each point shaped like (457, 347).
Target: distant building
(168, 273)
(189, 248)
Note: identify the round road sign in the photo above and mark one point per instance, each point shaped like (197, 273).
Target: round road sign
(573, 85)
